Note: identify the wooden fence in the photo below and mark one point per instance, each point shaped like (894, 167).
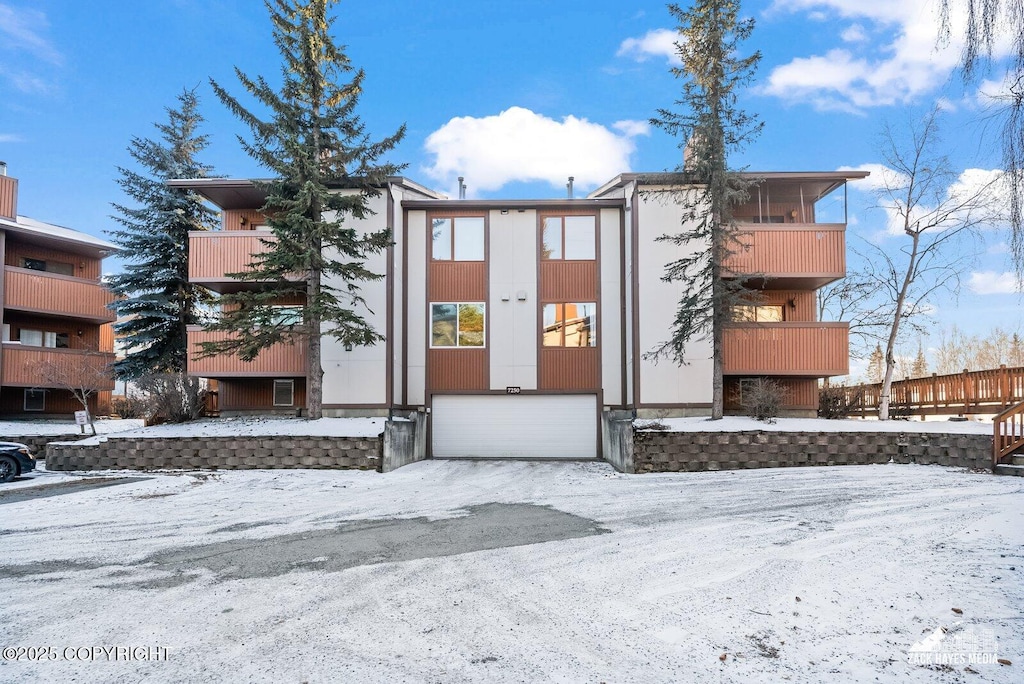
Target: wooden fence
(965, 393)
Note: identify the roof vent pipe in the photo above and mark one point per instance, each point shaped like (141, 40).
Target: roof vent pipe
(568, 186)
(3, 168)
(462, 188)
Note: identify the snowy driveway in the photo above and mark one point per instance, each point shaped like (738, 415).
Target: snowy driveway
(485, 571)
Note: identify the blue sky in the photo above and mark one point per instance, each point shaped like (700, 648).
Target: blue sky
(514, 95)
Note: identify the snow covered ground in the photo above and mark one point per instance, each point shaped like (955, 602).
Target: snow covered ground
(800, 575)
(737, 423)
(249, 426)
(24, 428)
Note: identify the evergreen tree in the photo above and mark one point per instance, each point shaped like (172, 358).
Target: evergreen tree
(156, 301)
(919, 369)
(313, 143)
(876, 365)
(710, 126)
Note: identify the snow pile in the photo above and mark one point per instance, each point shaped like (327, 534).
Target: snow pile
(255, 426)
(743, 423)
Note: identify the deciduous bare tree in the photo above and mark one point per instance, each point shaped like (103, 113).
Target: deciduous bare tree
(83, 375)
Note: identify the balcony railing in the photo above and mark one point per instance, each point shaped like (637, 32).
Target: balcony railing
(214, 254)
(803, 349)
(280, 360)
(55, 294)
(814, 252)
(23, 366)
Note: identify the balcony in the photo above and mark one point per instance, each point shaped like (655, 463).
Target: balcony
(798, 349)
(22, 366)
(56, 295)
(214, 254)
(280, 360)
(791, 255)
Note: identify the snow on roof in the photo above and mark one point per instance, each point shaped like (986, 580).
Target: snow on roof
(26, 224)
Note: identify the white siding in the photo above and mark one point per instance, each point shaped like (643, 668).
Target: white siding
(417, 334)
(664, 382)
(610, 338)
(513, 323)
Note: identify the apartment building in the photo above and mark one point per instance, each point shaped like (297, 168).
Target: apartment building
(513, 324)
(57, 329)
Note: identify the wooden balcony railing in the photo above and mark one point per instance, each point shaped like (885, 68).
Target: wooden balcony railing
(22, 366)
(812, 251)
(52, 293)
(214, 254)
(802, 349)
(965, 393)
(280, 360)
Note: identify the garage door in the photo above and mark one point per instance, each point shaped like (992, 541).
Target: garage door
(521, 426)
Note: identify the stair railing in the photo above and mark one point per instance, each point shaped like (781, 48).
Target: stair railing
(1008, 429)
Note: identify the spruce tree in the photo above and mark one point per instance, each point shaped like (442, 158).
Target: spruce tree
(710, 126)
(919, 369)
(325, 169)
(876, 365)
(156, 302)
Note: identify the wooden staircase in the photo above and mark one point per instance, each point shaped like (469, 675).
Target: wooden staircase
(1008, 441)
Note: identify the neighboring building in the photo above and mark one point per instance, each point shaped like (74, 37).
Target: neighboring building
(514, 323)
(57, 328)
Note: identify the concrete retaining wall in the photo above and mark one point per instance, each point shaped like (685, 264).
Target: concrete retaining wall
(219, 453)
(655, 451)
(617, 440)
(37, 443)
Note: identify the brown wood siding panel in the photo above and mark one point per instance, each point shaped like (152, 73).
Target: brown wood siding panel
(89, 340)
(85, 268)
(12, 402)
(247, 395)
(457, 369)
(562, 368)
(458, 281)
(810, 349)
(815, 250)
(280, 360)
(107, 338)
(232, 219)
(35, 291)
(214, 254)
(25, 367)
(568, 281)
(8, 197)
(801, 393)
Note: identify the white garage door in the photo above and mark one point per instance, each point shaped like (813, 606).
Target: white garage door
(520, 426)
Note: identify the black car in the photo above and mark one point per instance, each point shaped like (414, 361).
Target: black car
(15, 459)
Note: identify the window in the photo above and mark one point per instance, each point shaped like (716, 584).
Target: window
(458, 239)
(40, 338)
(770, 313)
(284, 392)
(569, 237)
(286, 315)
(31, 338)
(35, 400)
(457, 325)
(50, 266)
(570, 325)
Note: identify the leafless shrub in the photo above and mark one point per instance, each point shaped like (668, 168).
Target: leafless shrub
(762, 398)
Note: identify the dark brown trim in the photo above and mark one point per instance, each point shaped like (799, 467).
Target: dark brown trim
(496, 204)
(389, 342)
(635, 355)
(623, 332)
(405, 308)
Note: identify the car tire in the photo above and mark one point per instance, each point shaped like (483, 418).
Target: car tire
(8, 468)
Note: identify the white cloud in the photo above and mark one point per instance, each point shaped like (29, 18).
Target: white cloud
(854, 34)
(654, 43)
(992, 282)
(11, 138)
(22, 31)
(903, 67)
(521, 145)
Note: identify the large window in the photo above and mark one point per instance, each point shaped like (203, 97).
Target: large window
(569, 238)
(49, 266)
(35, 400)
(761, 313)
(284, 392)
(570, 325)
(458, 239)
(457, 325)
(41, 338)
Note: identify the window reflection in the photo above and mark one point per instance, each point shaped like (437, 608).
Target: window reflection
(570, 325)
(770, 313)
(569, 238)
(457, 325)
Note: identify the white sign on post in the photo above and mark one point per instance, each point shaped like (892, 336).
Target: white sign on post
(81, 417)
